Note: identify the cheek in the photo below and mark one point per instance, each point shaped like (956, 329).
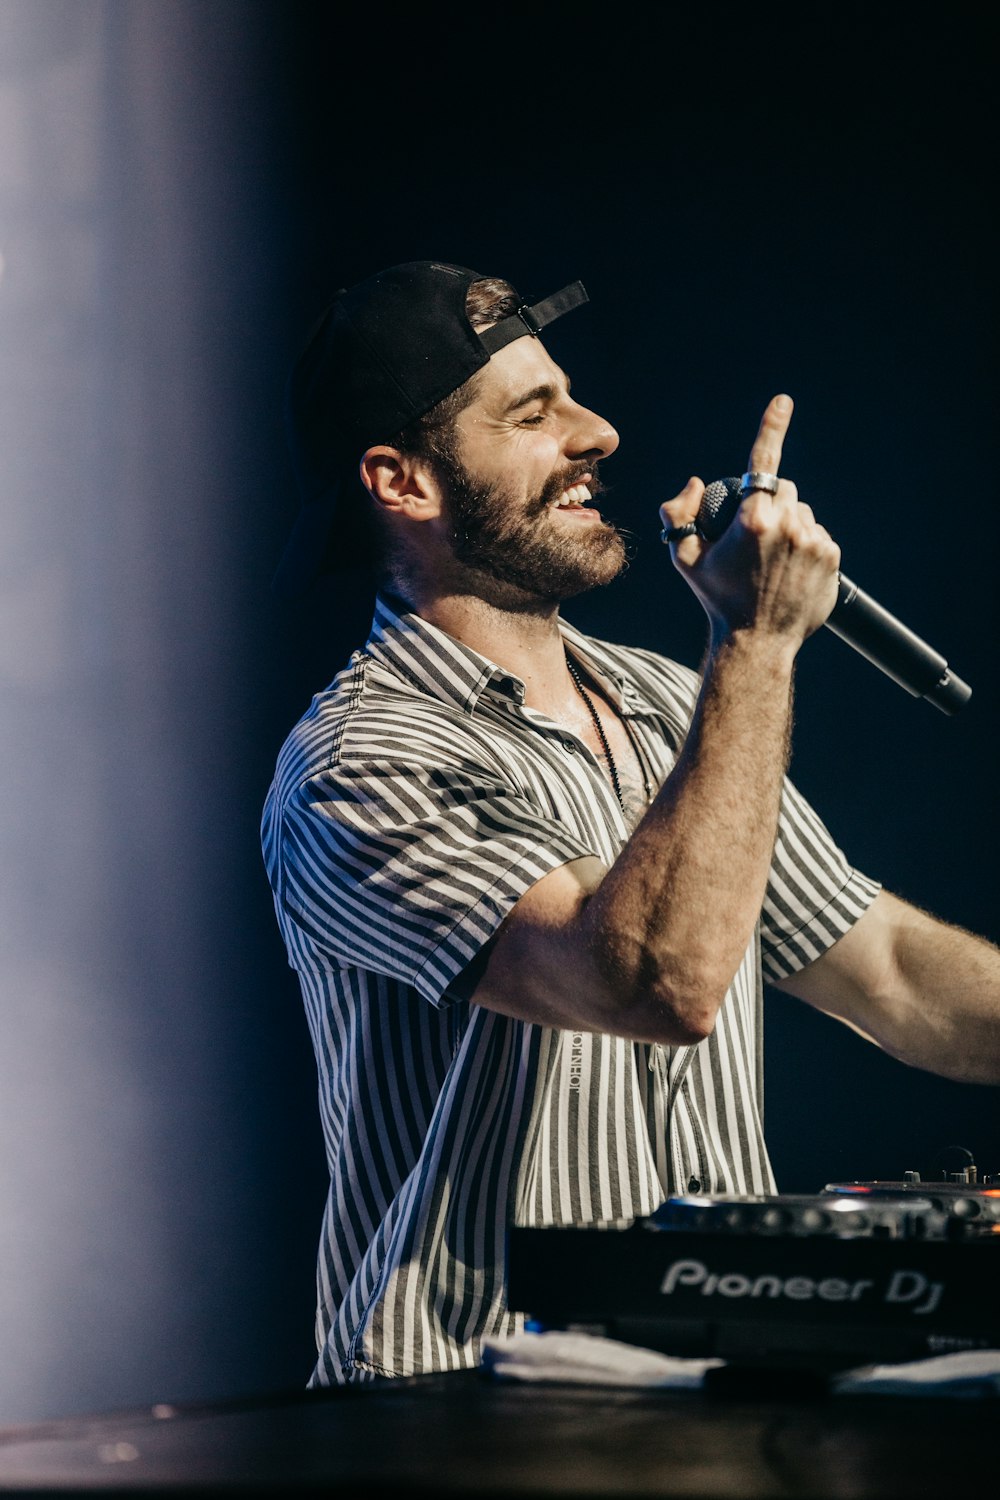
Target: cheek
(546, 452)
(539, 461)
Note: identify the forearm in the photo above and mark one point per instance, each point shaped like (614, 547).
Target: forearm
(670, 923)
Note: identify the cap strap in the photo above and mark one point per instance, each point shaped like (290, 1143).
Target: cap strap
(533, 319)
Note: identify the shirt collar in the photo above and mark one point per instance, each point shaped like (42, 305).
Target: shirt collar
(435, 661)
(605, 670)
(454, 673)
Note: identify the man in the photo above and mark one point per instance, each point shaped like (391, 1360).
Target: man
(530, 881)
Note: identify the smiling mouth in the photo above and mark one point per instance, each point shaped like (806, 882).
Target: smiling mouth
(572, 498)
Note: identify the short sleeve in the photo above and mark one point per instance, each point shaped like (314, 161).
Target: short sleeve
(813, 897)
(409, 871)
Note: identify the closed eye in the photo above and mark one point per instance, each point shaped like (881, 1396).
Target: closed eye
(547, 392)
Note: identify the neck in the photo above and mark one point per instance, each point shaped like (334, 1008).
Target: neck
(525, 640)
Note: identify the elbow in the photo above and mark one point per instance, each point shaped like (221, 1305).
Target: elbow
(686, 1017)
(670, 1015)
(686, 993)
(666, 999)
(694, 1028)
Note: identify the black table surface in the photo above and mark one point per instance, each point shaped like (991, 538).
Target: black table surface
(464, 1434)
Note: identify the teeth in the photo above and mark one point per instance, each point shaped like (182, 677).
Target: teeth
(577, 494)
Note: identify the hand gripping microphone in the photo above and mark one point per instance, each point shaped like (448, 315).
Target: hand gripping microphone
(859, 621)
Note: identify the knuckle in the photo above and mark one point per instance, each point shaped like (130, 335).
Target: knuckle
(756, 521)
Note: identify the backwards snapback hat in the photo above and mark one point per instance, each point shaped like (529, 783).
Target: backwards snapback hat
(383, 354)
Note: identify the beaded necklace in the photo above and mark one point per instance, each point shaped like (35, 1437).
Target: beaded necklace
(574, 672)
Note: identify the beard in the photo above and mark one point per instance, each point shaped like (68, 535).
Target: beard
(516, 550)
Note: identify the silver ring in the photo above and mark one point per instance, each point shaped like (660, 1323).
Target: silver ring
(755, 480)
(677, 533)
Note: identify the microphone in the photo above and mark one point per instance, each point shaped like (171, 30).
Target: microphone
(857, 619)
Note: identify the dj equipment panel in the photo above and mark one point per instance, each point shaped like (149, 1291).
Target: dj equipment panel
(862, 1273)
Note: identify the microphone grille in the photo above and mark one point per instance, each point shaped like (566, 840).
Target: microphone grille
(719, 505)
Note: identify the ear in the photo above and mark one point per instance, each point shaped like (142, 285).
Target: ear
(400, 483)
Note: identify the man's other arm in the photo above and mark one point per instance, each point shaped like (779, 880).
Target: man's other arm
(925, 992)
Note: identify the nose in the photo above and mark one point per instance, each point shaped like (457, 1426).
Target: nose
(590, 435)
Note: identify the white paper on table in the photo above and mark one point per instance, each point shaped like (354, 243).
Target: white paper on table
(587, 1359)
(973, 1372)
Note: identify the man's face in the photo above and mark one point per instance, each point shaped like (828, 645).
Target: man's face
(519, 479)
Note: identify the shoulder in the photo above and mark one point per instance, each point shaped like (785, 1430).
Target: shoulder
(373, 724)
(362, 699)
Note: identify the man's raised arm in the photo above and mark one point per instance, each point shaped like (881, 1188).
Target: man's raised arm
(648, 948)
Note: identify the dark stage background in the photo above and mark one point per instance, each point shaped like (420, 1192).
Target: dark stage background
(757, 200)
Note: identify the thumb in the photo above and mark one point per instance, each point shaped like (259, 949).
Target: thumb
(683, 507)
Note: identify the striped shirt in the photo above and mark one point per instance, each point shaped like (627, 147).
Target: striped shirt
(412, 806)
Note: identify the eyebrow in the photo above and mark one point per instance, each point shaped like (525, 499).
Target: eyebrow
(546, 392)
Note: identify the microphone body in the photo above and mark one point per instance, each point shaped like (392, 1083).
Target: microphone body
(859, 620)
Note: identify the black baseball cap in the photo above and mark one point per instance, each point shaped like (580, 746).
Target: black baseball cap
(383, 354)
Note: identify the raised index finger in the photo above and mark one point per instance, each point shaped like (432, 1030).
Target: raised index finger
(765, 455)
